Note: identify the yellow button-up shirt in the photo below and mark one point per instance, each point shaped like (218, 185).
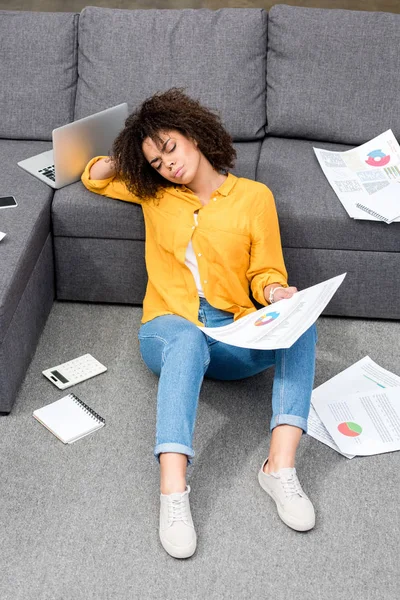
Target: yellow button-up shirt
(236, 241)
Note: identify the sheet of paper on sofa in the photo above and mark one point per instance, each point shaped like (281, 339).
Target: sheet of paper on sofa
(366, 176)
(363, 377)
(281, 324)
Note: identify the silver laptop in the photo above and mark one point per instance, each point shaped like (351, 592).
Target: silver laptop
(75, 144)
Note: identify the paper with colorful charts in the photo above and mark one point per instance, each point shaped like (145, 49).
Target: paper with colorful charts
(365, 178)
(364, 423)
(279, 325)
(363, 377)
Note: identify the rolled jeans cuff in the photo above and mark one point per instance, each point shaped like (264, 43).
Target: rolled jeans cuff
(177, 448)
(289, 420)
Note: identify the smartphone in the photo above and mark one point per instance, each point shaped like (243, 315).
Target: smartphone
(7, 202)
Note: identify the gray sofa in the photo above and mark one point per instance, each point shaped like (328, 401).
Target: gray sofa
(282, 81)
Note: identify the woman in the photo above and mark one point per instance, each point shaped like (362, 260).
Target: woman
(212, 239)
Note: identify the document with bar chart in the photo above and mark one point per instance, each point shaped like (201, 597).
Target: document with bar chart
(366, 179)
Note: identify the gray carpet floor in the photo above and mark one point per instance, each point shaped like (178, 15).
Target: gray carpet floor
(80, 521)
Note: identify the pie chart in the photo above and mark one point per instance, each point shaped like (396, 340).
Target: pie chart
(267, 318)
(350, 429)
(377, 158)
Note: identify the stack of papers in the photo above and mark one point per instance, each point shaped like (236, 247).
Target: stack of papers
(366, 179)
(357, 412)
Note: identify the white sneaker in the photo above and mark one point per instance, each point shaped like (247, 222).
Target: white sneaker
(294, 506)
(177, 533)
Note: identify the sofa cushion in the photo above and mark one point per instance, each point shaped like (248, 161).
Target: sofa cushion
(366, 292)
(27, 226)
(218, 56)
(76, 212)
(310, 213)
(38, 71)
(332, 74)
(100, 270)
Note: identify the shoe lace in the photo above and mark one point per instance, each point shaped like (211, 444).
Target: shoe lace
(291, 486)
(177, 510)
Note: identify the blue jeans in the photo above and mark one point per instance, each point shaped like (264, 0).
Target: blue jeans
(181, 355)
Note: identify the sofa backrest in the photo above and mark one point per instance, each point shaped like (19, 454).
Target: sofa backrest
(217, 56)
(332, 74)
(38, 72)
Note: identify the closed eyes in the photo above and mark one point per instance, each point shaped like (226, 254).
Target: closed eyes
(158, 167)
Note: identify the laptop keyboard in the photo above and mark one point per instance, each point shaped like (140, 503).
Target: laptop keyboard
(49, 172)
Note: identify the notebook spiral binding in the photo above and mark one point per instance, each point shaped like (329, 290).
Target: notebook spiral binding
(372, 212)
(87, 409)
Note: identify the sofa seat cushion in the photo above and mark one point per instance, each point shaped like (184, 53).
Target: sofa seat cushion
(310, 213)
(76, 212)
(332, 74)
(27, 226)
(218, 56)
(38, 72)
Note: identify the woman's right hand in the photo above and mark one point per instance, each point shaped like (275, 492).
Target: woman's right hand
(102, 169)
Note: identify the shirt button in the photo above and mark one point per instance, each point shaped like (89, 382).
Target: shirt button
(199, 254)
(214, 199)
(193, 227)
(205, 281)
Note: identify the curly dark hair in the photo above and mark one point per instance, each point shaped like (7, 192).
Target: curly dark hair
(165, 111)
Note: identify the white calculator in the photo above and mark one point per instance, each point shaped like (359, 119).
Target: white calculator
(74, 371)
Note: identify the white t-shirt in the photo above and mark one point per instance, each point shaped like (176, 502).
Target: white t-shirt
(191, 262)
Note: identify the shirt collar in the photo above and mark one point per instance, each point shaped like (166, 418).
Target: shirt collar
(227, 186)
(224, 189)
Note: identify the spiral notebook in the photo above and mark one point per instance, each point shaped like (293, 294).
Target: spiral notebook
(384, 205)
(69, 418)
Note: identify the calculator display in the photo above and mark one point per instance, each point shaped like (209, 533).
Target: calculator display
(59, 376)
(7, 201)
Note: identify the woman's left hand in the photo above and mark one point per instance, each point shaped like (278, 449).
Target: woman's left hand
(283, 293)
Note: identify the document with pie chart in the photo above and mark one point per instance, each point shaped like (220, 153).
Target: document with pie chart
(363, 377)
(280, 324)
(363, 423)
(366, 179)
